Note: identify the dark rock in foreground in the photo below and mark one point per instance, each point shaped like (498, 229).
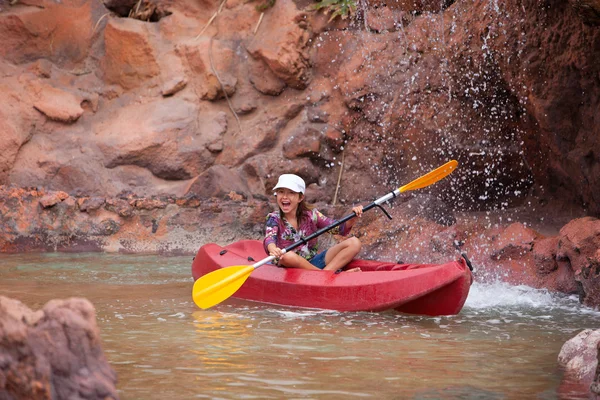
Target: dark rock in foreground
(579, 359)
(53, 353)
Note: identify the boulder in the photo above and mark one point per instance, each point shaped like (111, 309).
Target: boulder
(579, 244)
(579, 359)
(53, 353)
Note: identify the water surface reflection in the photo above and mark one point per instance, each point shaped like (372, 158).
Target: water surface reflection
(503, 345)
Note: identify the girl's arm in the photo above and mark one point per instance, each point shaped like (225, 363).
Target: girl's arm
(350, 223)
(271, 231)
(343, 229)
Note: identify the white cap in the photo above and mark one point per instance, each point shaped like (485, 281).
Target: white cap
(292, 182)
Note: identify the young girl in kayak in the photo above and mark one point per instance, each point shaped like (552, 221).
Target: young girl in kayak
(296, 220)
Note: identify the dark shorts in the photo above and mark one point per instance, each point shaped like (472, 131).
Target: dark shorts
(319, 260)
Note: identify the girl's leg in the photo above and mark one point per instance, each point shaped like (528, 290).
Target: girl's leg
(293, 260)
(341, 254)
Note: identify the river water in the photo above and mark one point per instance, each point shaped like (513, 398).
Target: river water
(503, 345)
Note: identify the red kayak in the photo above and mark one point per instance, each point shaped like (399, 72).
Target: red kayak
(424, 289)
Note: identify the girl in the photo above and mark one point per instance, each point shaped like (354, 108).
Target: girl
(296, 220)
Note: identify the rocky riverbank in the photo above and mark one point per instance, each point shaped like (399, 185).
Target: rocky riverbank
(508, 245)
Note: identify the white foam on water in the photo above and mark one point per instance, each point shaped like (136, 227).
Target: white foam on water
(501, 295)
(301, 314)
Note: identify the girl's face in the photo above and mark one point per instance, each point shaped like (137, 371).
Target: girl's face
(288, 200)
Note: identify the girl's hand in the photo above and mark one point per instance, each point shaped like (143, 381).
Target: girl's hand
(358, 210)
(275, 251)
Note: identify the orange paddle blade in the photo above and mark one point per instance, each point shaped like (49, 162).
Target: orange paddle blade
(431, 177)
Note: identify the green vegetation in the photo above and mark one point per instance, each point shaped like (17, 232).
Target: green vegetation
(337, 8)
(265, 5)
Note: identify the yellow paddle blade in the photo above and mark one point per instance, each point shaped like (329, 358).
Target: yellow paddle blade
(219, 285)
(431, 177)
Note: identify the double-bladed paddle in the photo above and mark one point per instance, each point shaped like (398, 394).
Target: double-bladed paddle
(219, 285)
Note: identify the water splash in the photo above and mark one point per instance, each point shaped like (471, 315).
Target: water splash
(499, 295)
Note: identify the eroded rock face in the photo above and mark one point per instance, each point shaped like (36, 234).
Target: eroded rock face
(15, 131)
(397, 93)
(61, 32)
(162, 136)
(54, 352)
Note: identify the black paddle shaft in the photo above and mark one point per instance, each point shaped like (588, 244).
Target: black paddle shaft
(335, 224)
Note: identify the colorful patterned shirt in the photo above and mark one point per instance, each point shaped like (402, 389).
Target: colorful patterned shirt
(283, 234)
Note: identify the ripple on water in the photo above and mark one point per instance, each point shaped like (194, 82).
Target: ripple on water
(503, 344)
(105, 268)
